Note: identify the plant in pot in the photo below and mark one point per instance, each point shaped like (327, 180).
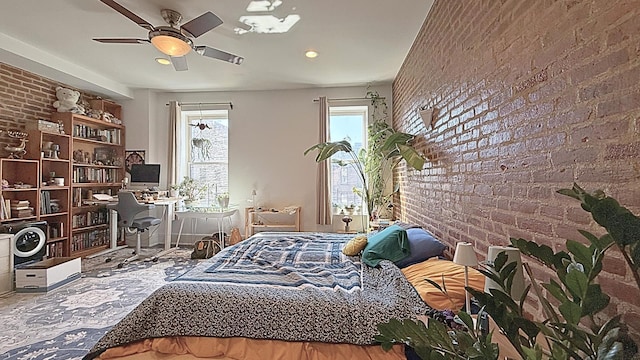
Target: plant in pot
(223, 200)
(573, 329)
(374, 166)
(191, 189)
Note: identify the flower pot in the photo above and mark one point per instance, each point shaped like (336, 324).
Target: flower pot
(223, 202)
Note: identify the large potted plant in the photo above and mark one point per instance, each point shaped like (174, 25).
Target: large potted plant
(374, 166)
(572, 329)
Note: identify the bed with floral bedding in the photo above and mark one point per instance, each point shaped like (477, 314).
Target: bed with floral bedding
(292, 291)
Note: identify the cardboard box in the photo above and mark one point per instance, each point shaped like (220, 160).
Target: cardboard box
(48, 274)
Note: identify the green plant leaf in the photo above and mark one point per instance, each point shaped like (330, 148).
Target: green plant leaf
(595, 300)
(434, 284)
(581, 254)
(328, 149)
(532, 354)
(610, 347)
(576, 282)
(411, 156)
(556, 290)
(571, 312)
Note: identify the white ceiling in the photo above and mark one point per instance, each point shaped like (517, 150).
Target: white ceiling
(359, 41)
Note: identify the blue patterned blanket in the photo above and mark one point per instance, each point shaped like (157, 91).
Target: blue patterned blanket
(285, 286)
(291, 260)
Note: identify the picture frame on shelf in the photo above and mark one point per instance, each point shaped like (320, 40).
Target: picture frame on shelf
(132, 157)
(103, 155)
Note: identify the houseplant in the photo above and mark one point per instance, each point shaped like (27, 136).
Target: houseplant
(223, 200)
(191, 189)
(572, 329)
(387, 148)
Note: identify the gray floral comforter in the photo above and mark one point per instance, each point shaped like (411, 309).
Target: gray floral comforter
(286, 286)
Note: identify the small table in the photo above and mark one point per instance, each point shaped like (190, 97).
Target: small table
(195, 215)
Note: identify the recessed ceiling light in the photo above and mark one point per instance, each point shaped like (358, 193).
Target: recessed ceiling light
(163, 61)
(311, 54)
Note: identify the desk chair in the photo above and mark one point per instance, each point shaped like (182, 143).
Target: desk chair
(128, 207)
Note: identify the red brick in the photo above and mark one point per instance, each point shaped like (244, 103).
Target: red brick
(554, 92)
(622, 104)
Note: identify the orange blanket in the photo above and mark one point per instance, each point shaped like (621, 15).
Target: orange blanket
(188, 348)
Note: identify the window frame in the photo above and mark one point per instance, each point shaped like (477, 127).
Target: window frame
(184, 158)
(348, 110)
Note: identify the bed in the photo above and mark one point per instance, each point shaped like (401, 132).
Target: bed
(274, 295)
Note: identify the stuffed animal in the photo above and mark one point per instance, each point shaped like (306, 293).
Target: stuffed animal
(67, 101)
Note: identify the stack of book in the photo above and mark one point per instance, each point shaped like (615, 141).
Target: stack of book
(21, 208)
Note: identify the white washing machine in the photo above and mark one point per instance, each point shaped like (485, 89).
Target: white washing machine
(29, 241)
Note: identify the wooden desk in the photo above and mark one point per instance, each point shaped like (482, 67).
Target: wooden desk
(167, 219)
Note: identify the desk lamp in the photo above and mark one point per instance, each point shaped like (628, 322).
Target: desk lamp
(466, 256)
(513, 255)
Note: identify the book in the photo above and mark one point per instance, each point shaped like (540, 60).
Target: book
(22, 213)
(7, 208)
(21, 207)
(4, 211)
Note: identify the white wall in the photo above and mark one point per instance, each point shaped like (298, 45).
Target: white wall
(268, 134)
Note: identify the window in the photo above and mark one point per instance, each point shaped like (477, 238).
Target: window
(204, 149)
(347, 123)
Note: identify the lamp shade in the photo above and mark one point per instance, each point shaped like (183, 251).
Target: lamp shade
(170, 45)
(465, 254)
(427, 116)
(513, 255)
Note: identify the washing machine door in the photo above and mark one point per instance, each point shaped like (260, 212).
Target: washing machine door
(28, 241)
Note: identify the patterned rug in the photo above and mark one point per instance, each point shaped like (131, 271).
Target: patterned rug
(66, 322)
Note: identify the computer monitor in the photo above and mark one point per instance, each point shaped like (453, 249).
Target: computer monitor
(145, 176)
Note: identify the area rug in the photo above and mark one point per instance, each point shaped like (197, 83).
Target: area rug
(66, 322)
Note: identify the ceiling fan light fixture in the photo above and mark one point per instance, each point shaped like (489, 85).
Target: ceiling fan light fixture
(163, 61)
(169, 43)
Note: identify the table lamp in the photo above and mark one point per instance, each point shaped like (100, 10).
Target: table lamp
(253, 200)
(513, 255)
(466, 256)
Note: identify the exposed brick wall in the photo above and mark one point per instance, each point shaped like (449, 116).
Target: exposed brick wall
(24, 97)
(532, 95)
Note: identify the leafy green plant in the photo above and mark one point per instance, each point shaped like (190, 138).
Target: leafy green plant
(572, 328)
(191, 189)
(387, 148)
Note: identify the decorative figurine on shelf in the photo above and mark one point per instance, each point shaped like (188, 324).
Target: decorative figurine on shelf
(346, 220)
(55, 150)
(67, 101)
(17, 152)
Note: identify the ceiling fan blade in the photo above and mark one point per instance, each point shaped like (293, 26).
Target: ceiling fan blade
(122, 41)
(179, 63)
(218, 54)
(201, 24)
(124, 11)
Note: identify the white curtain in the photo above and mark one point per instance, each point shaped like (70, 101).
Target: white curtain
(324, 210)
(174, 129)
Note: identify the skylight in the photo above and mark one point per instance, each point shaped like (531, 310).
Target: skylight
(264, 5)
(266, 24)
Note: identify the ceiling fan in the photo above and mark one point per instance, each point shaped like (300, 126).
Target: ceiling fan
(174, 40)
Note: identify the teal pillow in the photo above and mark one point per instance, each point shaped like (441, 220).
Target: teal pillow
(390, 244)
